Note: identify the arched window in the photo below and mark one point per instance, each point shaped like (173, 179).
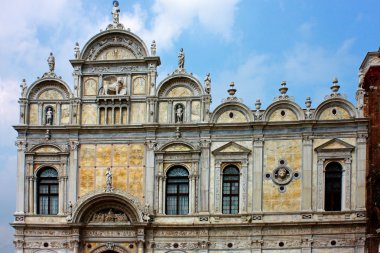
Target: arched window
(177, 191)
(47, 191)
(333, 187)
(231, 190)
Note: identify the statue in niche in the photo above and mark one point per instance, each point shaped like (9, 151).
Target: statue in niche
(114, 87)
(179, 113)
(23, 88)
(77, 51)
(208, 83)
(153, 48)
(181, 59)
(115, 12)
(109, 180)
(51, 62)
(49, 116)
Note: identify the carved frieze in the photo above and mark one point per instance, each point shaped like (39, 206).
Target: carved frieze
(109, 216)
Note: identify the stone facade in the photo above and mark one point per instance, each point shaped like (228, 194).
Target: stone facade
(116, 136)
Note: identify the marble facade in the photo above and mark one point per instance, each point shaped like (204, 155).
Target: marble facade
(140, 129)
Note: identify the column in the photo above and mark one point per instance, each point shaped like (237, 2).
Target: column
(361, 143)
(306, 175)
(73, 171)
(31, 194)
(140, 247)
(258, 146)
(346, 193)
(60, 195)
(149, 173)
(192, 193)
(218, 196)
(320, 183)
(204, 176)
(243, 187)
(20, 195)
(159, 186)
(163, 194)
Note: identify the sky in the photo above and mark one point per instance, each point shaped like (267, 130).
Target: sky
(255, 43)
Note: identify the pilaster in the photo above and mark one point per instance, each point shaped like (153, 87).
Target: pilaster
(258, 146)
(204, 176)
(307, 165)
(20, 195)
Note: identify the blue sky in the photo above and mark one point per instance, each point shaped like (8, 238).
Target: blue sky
(255, 43)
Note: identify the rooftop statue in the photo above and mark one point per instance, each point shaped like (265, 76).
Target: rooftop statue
(153, 48)
(115, 12)
(77, 51)
(51, 62)
(181, 59)
(208, 83)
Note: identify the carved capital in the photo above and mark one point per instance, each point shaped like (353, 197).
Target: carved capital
(152, 145)
(21, 145)
(205, 143)
(73, 145)
(19, 243)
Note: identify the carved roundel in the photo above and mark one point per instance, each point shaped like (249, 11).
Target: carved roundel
(282, 174)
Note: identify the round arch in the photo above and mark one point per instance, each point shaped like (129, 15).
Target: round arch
(126, 35)
(339, 102)
(90, 204)
(233, 105)
(110, 249)
(175, 80)
(284, 104)
(166, 147)
(41, 85)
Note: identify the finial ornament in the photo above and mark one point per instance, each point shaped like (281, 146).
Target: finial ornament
(335, 86)
(181, 59)
(153, 48)
(51, 62)
(23, 86)
(208, 83)
(232, 90)
(77, 51)
(283, 88)
(308, 105)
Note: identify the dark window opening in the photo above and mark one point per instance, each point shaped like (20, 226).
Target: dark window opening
(333, 187)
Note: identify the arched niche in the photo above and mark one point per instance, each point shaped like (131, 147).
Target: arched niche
(114, 45)
(335, 109)
(283, 110)
(232, 112)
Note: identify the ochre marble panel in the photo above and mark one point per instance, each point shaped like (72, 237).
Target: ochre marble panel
(290, 151)
(340, 113)
(120, 154)
(120, 178)
(139, 86)
(87, 155)
(89, 112)
(138, 113)
(33, 114)
(86, 180)
(65, 114)
(163, 112)
(117, 116)
(195, 111)
(100, 177)
(180, 92)
(124, 116)
(90, 86)
(177, 147)
(103, 155)
(136, 155)
(237, 117)
(50, 95)
(136, 182)
(283, 115)
(116, 53)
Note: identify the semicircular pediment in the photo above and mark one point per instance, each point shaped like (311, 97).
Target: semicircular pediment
(179, 86)
(49, 90)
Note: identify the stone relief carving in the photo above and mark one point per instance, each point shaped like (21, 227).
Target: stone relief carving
(109, 216)
(114, 85)
(109, 187)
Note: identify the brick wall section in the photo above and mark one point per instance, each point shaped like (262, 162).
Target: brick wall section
(372, 110)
